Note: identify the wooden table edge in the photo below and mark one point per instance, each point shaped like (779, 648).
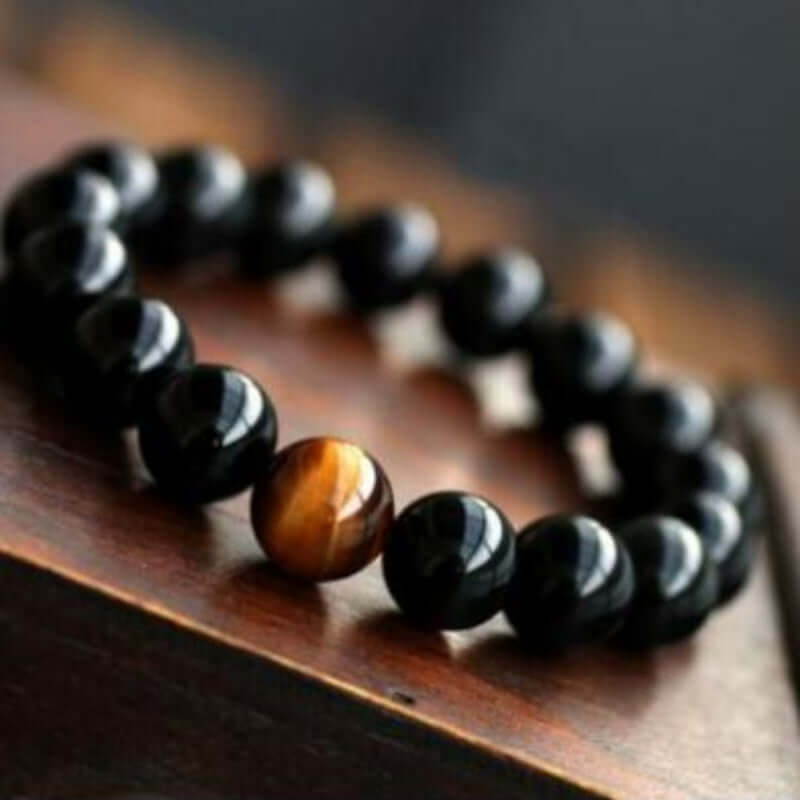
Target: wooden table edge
(401, 713)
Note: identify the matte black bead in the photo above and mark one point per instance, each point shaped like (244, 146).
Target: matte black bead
(580, 364)
(124, 348)
(199, 207)
(487, 304)
(61, 271)
(572, 584)
(289, 216)
(387, 257)
(651, 421)
(76, 195)
(676, 581)
(727, 540)
(448, 560)
(130, 169)
(207, 434)
(715, 467)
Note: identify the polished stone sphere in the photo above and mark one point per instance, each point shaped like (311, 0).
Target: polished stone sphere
(486, 305)
(62, 270)
(653, 421)
(199, 206)
(729, 543)
(131, 170)
(206, 433)
(76, 195)
(579, 365)
(385, 258)
(321, 509)
(715, 467)
(449, 559)
(572, 584)
(122, 350)
(676, 580)
(289, 217)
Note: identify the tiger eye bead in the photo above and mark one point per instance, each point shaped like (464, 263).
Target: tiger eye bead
(572, 584)
(199, 206)
(728, 542)
(322, 509)
(676, 581)
(448, 560)
(654, 421)
(123, 349)
(485, 306)
(580, 363)
(385, 258)
(76, 195)
(206, 433)
(62, 270)
(289, 215)
(130, 169)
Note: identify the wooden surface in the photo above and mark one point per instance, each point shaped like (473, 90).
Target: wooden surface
(149, 648)
(772, 423)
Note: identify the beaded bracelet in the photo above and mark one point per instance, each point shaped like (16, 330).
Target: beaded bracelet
(323, 508)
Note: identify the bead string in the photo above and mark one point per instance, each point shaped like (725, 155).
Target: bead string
(323, 508)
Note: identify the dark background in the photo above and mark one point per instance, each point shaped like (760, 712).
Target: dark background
(677, 114)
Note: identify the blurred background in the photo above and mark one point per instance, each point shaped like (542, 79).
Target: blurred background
(646, 152)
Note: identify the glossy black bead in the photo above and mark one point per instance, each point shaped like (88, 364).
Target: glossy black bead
(448, 560)
(76, 195)
(676, 581)
(289, 217)
(715, 467)
(131, 170)
(727, 540)
(572, 584)
(123, 349)
(62, 270)
(199, 207)
(207, 433)
(653, 421)
(580, 364)
(486, 305)
(385, 258)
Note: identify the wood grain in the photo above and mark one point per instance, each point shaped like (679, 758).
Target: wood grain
(149, 648)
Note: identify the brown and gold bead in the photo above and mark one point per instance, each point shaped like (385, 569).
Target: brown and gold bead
(323, 509)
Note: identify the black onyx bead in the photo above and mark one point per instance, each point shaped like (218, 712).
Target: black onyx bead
(580, 363)
(727, 540)
(676, 581)
(123, 350)
(131, 170)
(653, 421)
(572, 584)
(715, 467)
(288, 219)
(207, 434)
(76, 195)
(487, 304)
(387, 257)
(199, 206)
(61, 271)
(448, 560)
